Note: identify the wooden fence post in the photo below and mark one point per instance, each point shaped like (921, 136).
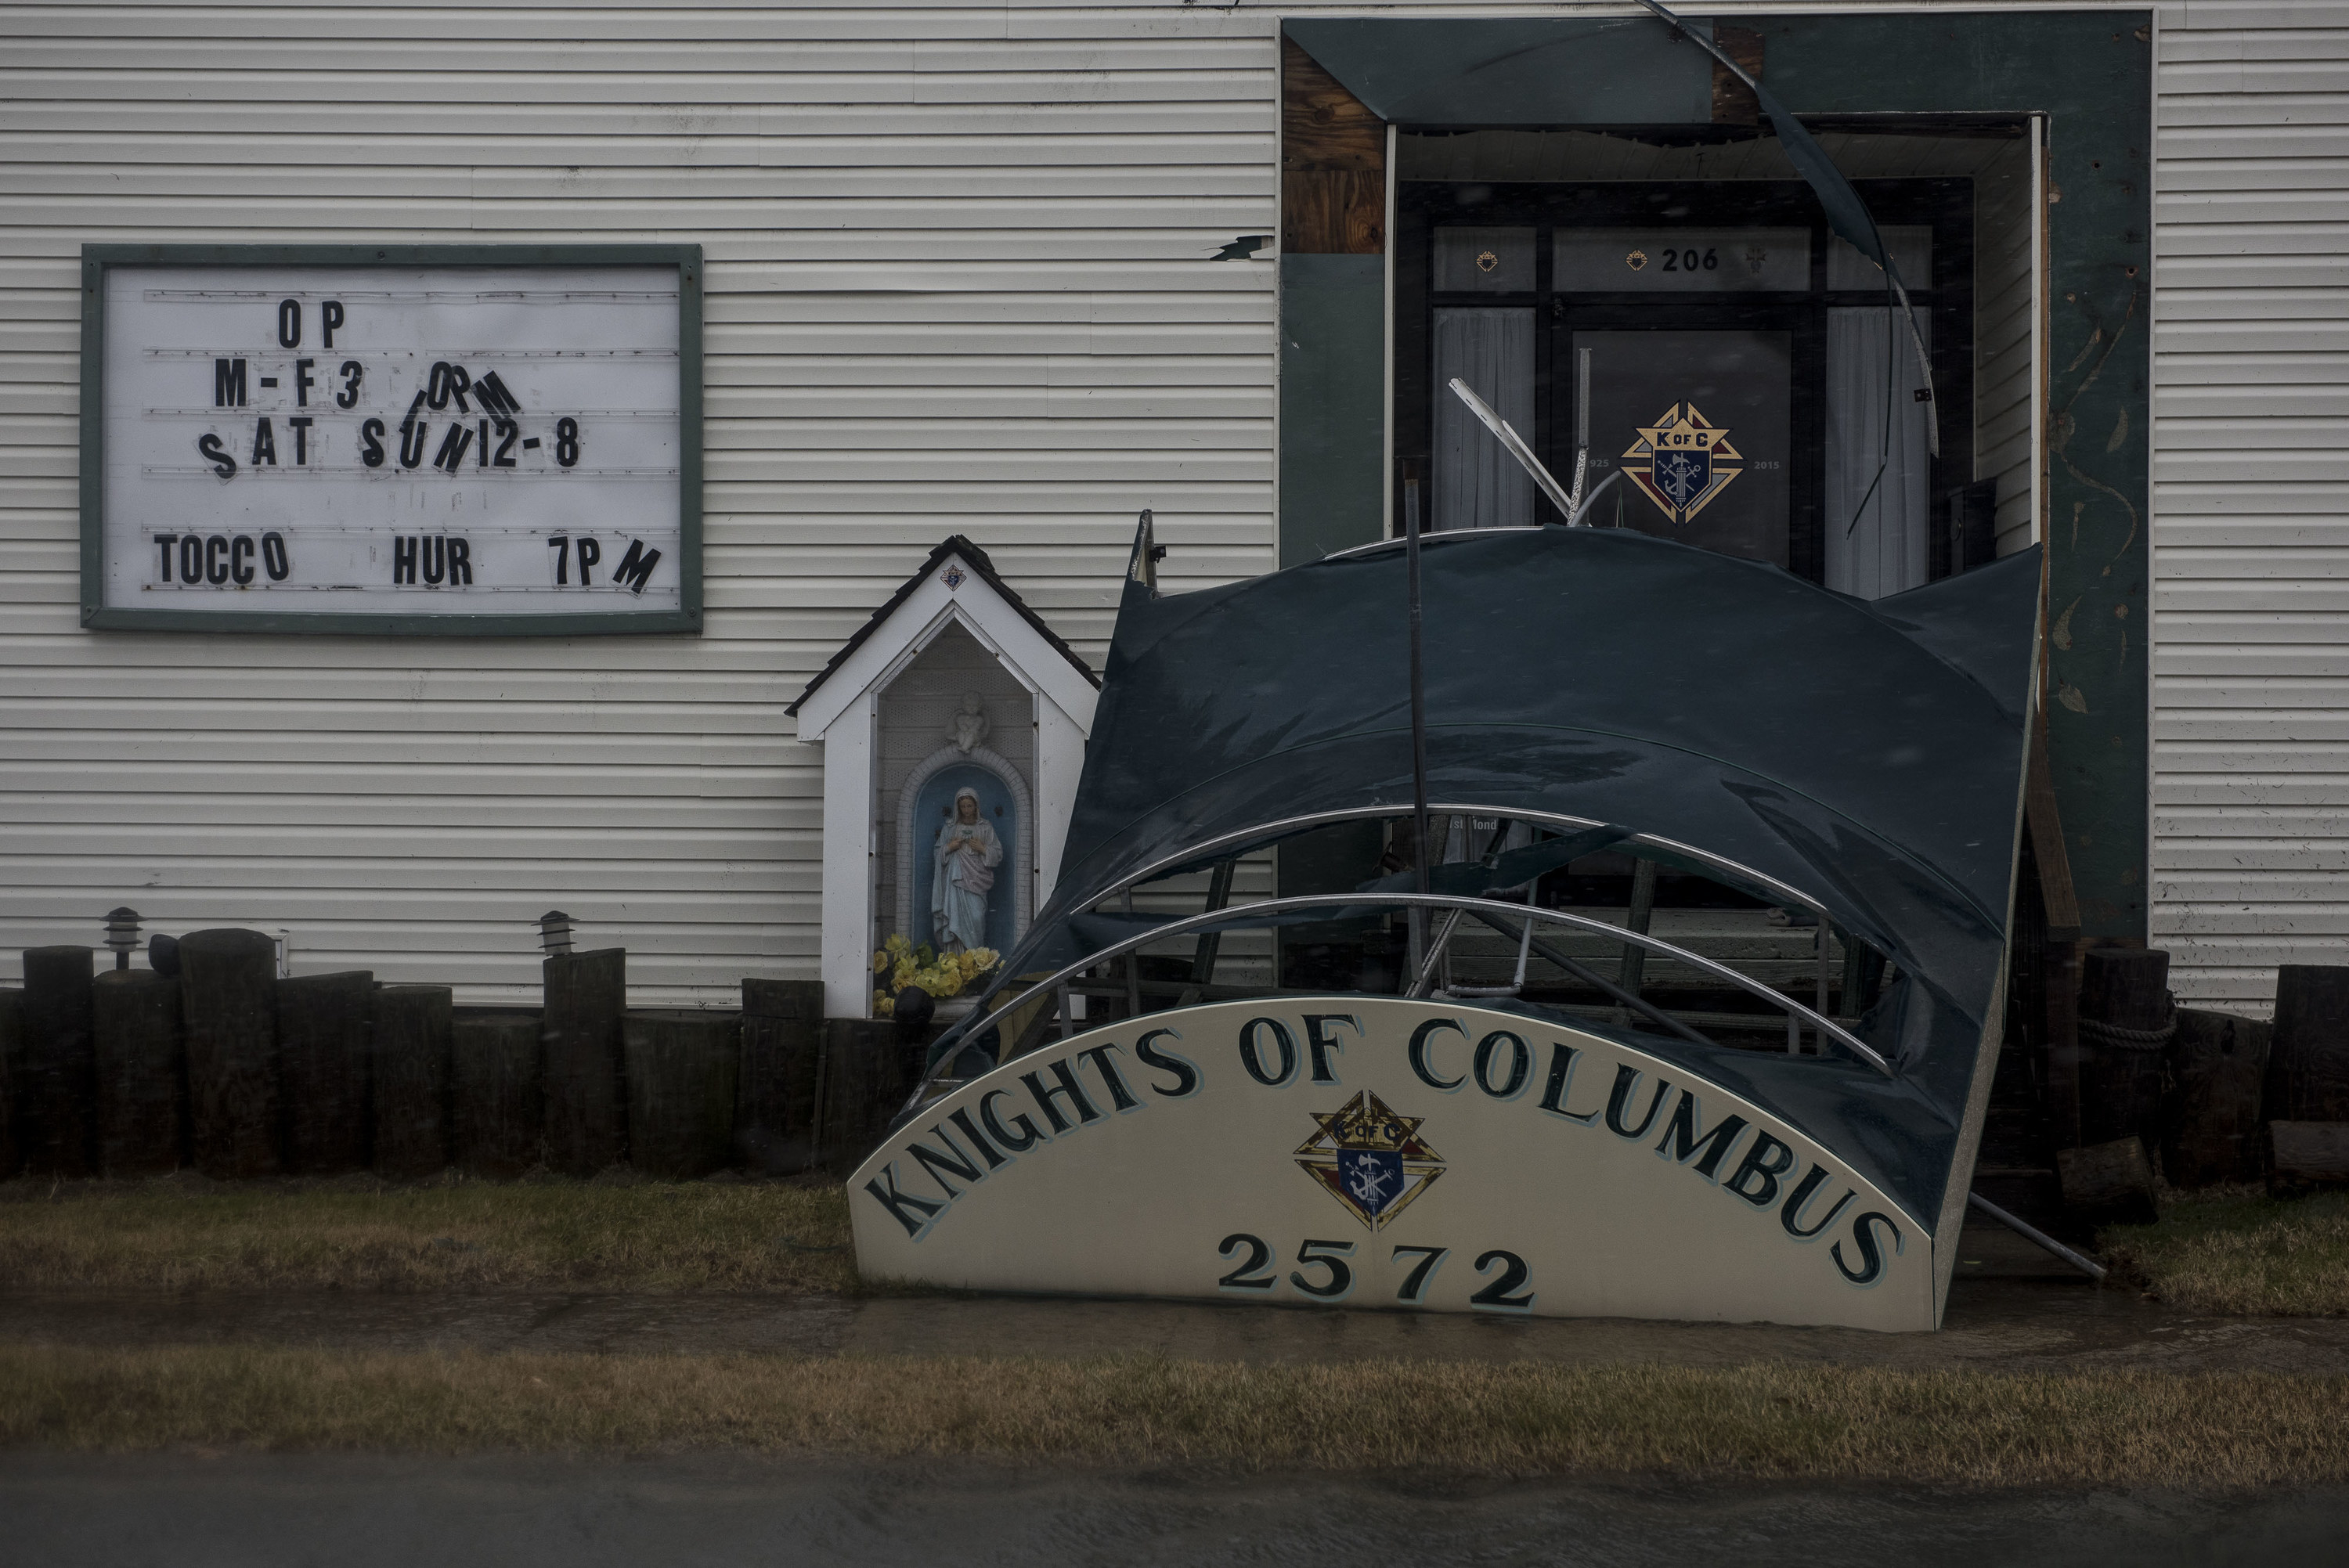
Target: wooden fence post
(683, 1067)
(142, 1094)
(498, 1110)
(783, 1030)
(2125, 1024)
(2308, 1054)
(411, 1081)
(324, 1045)
(12, 1079)
(864, 1083)
(586, 1108)
(2211, 1126)
(60, 1060)
(228, 981)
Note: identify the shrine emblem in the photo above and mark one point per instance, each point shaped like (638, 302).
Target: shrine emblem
(1681, 461)
(1369, 1158)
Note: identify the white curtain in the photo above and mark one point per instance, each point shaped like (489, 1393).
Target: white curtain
(1477, 483)
(1888, 548)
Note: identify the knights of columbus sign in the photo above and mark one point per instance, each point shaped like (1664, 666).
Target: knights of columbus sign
(1681, 461)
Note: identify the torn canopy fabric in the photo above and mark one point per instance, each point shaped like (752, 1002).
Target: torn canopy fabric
(1868, 754)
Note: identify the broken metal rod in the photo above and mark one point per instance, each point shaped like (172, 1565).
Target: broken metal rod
(2037, 1237)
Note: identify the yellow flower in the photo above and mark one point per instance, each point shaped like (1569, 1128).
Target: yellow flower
(882, 1005)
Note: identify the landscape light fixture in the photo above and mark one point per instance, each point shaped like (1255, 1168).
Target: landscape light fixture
(554, 934)
(122, 935)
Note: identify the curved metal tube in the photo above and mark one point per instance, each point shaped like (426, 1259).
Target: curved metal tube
(1515, 813)
(1242, 914)
(1451, 536)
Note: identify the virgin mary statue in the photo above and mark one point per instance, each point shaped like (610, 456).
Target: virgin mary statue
(962, 873)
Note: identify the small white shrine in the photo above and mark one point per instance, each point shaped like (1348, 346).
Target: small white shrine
(953, 726)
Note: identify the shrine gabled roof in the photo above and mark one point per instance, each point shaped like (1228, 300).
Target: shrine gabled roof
(981, 567)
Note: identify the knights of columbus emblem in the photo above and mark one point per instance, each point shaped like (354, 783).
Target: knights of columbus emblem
(1681, 462)
(1371, 1161)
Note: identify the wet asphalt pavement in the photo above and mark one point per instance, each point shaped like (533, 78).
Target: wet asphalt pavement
(2011, 1309)
(243, 1509)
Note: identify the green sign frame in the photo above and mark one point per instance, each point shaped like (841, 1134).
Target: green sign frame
(97, 616)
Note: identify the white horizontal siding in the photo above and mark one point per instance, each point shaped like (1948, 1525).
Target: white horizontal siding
(956, 282)
(2250, 606)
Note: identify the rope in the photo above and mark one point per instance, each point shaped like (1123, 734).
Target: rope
(2131, 1039)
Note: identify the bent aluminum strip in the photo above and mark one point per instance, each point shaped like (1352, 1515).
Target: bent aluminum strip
(1515, 446)
(1240, 913)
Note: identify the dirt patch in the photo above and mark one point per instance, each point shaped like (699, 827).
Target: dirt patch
(185, 1232)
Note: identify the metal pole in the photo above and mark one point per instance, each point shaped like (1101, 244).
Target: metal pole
(2086, 1265)
(1419, 845)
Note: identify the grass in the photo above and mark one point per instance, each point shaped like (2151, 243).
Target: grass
(2204, 1431)
(2239, 1252)
(185, 1232)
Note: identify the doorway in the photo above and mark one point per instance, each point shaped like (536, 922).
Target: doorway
(1725, 365)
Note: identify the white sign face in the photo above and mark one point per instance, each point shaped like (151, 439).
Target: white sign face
(1384, 1153)
(394, 440)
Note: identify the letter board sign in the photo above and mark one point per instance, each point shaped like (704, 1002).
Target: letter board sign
(495, 440)
(1417, 1156)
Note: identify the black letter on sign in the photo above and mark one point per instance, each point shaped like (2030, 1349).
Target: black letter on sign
(561, 545)
(436, 560)
(302, 382)
(330, 316)
(264, 444)
(1687, 1116)
(371, 443)
(166, 540)
(215, 562)
(1790, 1215)
(493, 396)
(353, 372)
(413, 433)
(403, 559)
(954, 1162)
(436, 385)
(191, 558)
(590, 552)
(1119, 1097)
(453, 448)
(209, 446)
(228, 383)
(301, 427)
(1067, 1086)
(1418, 1053)
(272, 557)
(460, 563)
(987, 1150)
(1769, 1160)
(1627, 1081)
(1317, 1041)
(1030, 1134)
(914, 1213)
(1521, 1065)
(239, 556)
(1561, 1084)
(635, 567)
(1186, 1075)
(1254, 1063)
(289, 324)
(1871, 1262)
